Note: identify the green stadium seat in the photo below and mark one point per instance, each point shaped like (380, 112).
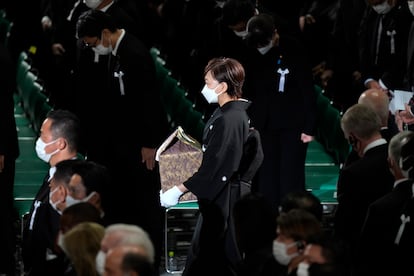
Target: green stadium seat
(329, 132)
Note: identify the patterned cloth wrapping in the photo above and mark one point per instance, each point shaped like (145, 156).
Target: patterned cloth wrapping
(179, 158)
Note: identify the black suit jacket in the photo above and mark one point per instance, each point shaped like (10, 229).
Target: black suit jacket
(379, 231)
(9, 148)
(8, 138)
(409, 76)
(270, 107)
(359, 184)
(390, 64)
(39, 235)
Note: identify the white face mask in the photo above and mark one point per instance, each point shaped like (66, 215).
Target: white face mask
(102, 50)
(265, 49)
(54, 204)
(100, 262)
(241, 34)
(210, 94)
(40, 150)
(92, 4)
(280, 252)
(411, 6)
(72, 201)
(302, 269)
(383, 8)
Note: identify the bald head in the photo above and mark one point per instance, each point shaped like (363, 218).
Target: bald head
(377, 100)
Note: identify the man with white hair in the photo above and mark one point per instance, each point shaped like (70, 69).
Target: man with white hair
(121, 234)
(387, 246)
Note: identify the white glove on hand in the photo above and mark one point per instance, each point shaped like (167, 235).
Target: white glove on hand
(170, 197)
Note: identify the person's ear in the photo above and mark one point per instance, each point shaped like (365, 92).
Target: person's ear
(62, 143)
(224, 86)
(352, 140)
(95, 198)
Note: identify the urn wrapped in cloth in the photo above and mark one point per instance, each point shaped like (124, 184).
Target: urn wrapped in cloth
(179, 158)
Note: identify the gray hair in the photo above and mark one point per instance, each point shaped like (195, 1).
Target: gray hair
(132, 235)
(396, 143)
(361, 120)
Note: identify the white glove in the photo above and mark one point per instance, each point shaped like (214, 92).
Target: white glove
(170, 197)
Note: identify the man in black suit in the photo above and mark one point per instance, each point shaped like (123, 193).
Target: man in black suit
(9, 151)
(364, 180)
(58, 141)
(383, 221)
(378, 100)
(341, 77)
(279, 84)
(383, 43)
(130, 99)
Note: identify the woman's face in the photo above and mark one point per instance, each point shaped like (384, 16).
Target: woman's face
(210, 81)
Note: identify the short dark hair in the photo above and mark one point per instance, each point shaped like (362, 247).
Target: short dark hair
(227, 70)
(260, 30)
(138, 263)
(64, 170)
(302, 200)
(92, 22)
(95, 177)
(78, 213)
(236, 11)
(65, 124)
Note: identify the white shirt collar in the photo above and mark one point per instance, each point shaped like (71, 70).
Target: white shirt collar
(399, 181)
(375, 143)
(118, 42)
(52, 171)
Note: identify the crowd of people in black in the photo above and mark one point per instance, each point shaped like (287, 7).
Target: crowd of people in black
(256, 64)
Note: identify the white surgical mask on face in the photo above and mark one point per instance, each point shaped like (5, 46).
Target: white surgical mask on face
(54, 204)
(302, 269)
(265, 49)
(210, 94)
(72, 201)
(241, 34)
(382, 8)
(102, 50)
(411, 6)
(280, 252)
(100, 262)
(92, 4)
(40, 150)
